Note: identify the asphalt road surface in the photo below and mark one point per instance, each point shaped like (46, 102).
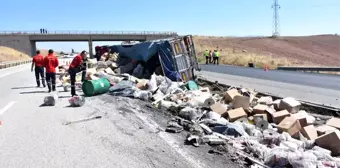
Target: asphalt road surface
(128, 135)
(317, 88)
(300, 78)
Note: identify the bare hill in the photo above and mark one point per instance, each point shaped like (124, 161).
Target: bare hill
(307, 50)
(9, 54)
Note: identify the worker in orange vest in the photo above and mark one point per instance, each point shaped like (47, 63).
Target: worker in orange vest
(51, 62)
(38, 64)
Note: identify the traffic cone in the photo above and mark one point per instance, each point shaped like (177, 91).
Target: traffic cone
(265, 68)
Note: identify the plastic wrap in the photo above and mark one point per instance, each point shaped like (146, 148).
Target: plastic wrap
(188, 113)
(142, 94)
(299, 159)
(277, 157)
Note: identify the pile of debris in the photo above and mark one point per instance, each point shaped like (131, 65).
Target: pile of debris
(275, 132)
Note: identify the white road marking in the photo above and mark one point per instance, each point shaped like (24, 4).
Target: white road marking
(170, 141)
(9, 105)
(14, 70)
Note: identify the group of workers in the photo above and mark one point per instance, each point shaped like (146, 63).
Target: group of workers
(212, 57)
(49, 64)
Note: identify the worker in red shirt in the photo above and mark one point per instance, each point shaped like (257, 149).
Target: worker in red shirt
(38, 64)
(50, 63)
(77, 65)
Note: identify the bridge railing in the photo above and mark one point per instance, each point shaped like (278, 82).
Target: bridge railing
(72, 32)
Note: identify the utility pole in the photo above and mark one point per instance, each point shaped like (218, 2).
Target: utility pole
(276, 18)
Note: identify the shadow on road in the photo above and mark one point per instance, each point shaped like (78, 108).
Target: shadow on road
(24, 87)
(61, 97)
(33, 92)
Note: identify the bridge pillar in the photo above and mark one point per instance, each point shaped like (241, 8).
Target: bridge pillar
(33, 48)
(91, 49)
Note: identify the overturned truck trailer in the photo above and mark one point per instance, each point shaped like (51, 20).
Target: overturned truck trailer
(174, 57)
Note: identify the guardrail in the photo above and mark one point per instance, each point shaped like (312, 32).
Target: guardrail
(329, 69)
(4, 65)
(70, 32)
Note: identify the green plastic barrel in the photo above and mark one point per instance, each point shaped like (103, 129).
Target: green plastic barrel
(95, 87)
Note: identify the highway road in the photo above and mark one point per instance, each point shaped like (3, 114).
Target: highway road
(129, 135)
(318, 88)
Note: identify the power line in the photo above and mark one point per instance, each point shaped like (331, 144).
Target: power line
(276, 19)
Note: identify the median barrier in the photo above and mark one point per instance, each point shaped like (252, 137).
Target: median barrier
(4, 65)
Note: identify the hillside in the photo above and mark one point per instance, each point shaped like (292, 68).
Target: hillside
(319, 50)
(9, 54)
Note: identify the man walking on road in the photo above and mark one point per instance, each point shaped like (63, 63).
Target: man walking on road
(77, 65)
(206, 55)
(38, 63)
(50, 63)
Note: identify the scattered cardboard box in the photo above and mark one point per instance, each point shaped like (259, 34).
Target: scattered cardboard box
(334, 122)
(241, 101)
(235, 114)
(230, 94)
(276, 104)
(290, 125)
(279, 116)
(260, 109)
(302, 119)
(267, 100)
(270, 111)
(142, 85)
(330, 141)
(323, 129)
(309, 132)
(218, 108)
(290, 104)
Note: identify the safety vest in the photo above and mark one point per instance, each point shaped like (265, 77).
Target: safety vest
(206, 53)
(217, 54)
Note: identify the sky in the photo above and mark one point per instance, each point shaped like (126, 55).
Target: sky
(197, 17)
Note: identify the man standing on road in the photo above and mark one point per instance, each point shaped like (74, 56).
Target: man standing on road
(50, 63)
(216, 56)
(38, 63)
(77, 65)
(206, 55)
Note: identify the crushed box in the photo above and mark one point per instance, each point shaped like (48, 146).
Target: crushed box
(267, 100)
(290, 104)
(258, 117)
(235, 114)
(218, 108)
(323, 129)
(334, 122)
(302, 119)
(230, 94)
(276, 104)
(290, 125)
(309, 132)
(279, 116)
(260, 109)
(270, 111)
(330, 141)
(241, 101)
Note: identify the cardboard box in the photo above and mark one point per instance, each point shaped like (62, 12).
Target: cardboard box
(290, 104)
(309, 132)
(290, 125)
(302, 119)
(230, 94)
(260, 109)
(279, 116)
(241, 101)
(270, 111)
(276, 104)
(142, 85)
(258, 117)
(235, 114)
(330, 141)
(218, 108)
(323, 129)
(334, 122)
(267, 100)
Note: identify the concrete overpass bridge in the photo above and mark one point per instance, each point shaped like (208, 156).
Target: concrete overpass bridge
(25, 41)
